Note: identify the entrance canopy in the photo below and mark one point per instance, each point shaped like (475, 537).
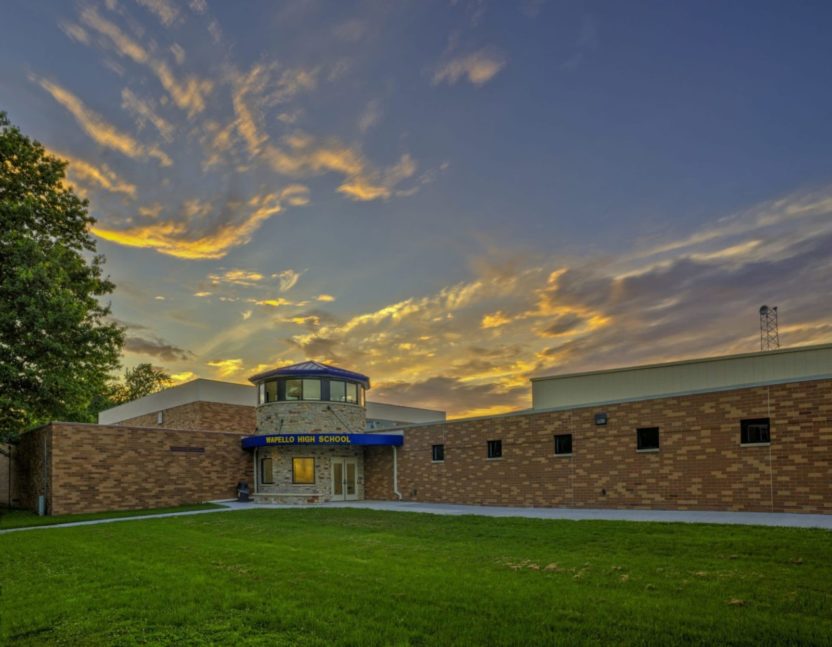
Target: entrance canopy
(278, 440)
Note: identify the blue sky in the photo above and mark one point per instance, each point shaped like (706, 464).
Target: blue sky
(448, 196)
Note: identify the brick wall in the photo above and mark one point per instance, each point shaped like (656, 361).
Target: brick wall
(216, 416)
(97, 468)
(30, 470)
(700, 464)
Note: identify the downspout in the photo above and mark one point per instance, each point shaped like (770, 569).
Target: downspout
(396, 473)
(256, 475)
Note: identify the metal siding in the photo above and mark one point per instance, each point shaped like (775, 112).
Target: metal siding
(682, 377)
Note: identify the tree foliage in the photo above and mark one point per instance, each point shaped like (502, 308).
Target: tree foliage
(141, 380)
(57, 346)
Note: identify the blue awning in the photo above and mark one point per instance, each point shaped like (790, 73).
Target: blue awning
(282, 440)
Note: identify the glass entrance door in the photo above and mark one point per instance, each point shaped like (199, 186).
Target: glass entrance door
(344, 479)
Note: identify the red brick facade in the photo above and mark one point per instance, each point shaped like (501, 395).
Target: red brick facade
(93, 468)
(217, 416)
(700, 463)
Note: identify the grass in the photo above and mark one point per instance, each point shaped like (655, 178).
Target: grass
(362, 577)
(26, 518)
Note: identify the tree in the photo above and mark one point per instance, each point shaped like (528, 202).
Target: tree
(57, 346)
(141, 380)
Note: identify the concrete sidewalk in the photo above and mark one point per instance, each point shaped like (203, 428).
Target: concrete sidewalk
(780, 519)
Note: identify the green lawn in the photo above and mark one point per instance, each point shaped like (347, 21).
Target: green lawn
(356, 577)
(25, 518)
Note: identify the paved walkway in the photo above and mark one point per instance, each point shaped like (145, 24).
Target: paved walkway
(782, 519)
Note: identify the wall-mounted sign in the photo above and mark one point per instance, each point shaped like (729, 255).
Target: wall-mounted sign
(278, 440)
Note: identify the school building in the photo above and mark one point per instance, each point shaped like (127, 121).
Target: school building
(750, 432)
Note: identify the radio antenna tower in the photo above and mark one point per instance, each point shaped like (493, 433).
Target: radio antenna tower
(769, 335)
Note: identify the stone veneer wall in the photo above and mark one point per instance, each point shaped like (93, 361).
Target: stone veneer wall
(217, 416)
(96, 468)
(284, 491)
(700, 464)
(310, 417)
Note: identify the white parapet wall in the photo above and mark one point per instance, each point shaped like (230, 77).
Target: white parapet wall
(682, 378)
(202, 390)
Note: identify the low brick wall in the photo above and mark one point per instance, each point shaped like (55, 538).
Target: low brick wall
(97, 468)
(700, 464)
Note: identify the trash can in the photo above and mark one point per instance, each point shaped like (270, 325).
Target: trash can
(243, 492)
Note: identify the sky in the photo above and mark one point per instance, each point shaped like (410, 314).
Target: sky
(450, 197)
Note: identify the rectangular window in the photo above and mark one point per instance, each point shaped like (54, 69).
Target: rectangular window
(495, 448)
(271, 391)
(337, 391)
(756, 431)
(438, 453)
(266, 475)
(311, 389)
(352, 393)
(261, 393)
(647, 438)
(563, 444)
(303, 471)
(294, 389)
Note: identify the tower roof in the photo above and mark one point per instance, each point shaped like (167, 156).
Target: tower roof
(313, 369)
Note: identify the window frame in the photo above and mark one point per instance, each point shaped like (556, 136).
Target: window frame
(263, 480)
(747, 423)
(437, 449)
(561, 453)
(294, 472)
(640, 447)
(303, 389)
(494, 449)
(351, 386)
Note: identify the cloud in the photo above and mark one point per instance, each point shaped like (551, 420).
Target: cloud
(272, 303)
(495, 320)
(181, 378)
(144, 113)
(645, 305)
(478, 68)
(101, 176)
(370, 116)
(300, 154)
(97, 128)
(288, 279)
(452, 394)
(325, 297)
(75, 32)
(226, 367)
(156, 347)
(189, 95)
(236, 277)
(175, 238)
(166, 12)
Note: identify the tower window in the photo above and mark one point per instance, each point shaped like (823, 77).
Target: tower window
(495, 449)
